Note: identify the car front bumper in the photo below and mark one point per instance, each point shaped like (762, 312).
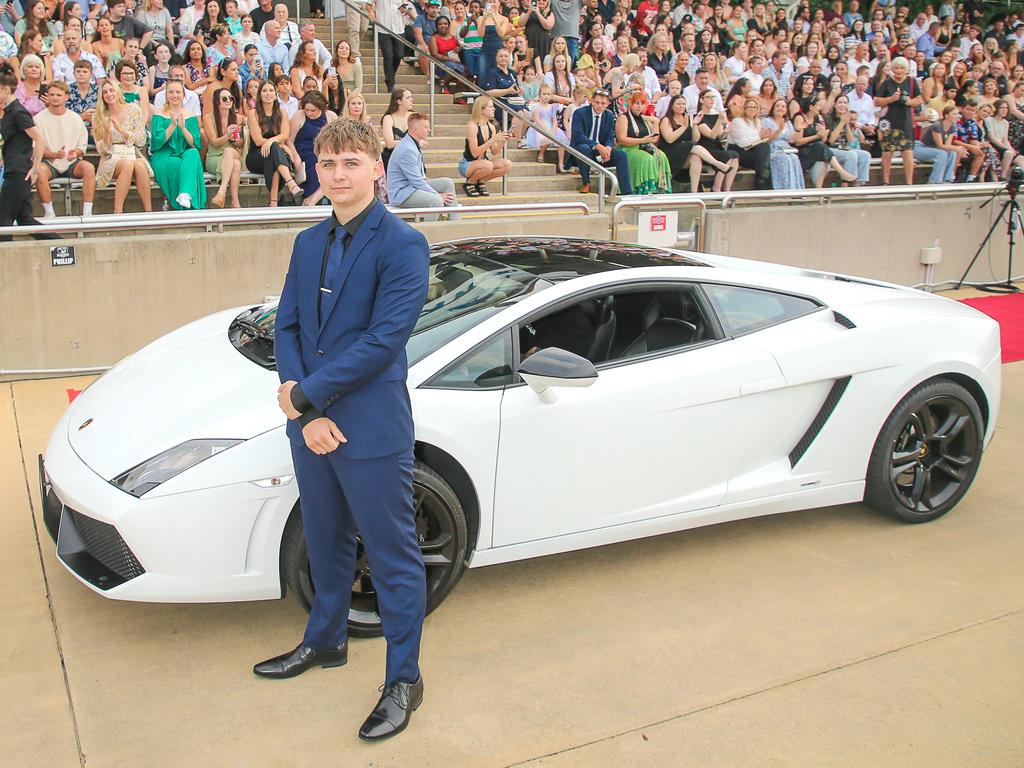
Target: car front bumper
(215, 544)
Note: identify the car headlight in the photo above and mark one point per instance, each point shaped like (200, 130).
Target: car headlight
(151, 473)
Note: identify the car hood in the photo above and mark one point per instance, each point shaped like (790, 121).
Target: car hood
(190, 384)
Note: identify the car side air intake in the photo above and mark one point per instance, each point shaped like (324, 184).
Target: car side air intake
(831, 401)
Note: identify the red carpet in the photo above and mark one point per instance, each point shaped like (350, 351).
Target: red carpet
(1008, 311)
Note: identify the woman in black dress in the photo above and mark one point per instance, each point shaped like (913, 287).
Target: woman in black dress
(685, 157)
(539, 21)
(809, 136)
(709, 129)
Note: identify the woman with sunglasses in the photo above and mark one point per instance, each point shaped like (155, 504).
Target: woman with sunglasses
(225, 135)
(226, 75)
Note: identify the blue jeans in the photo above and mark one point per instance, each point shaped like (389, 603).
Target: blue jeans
(573, 44)
(943, 162)
(472, 60)
(857, 161)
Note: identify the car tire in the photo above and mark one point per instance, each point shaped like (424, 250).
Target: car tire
(927, 453)
(440, 528)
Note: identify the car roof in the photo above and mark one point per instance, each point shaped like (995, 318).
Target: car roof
(561, 258)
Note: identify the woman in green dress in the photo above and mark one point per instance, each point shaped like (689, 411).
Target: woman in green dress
(649, 169)
(175, 151)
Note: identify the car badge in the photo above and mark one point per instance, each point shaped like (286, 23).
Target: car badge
(85, 424)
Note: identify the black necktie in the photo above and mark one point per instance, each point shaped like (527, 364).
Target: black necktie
(334, 252)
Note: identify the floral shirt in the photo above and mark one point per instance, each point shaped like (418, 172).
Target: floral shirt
(195, 75)
(968, 131)
(78, 103)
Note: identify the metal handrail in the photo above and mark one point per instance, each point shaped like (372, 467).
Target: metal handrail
(727, 200)
(283, 215)
(602, 172)
(912, 191)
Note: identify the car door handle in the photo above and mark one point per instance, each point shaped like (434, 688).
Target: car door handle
(762, 385)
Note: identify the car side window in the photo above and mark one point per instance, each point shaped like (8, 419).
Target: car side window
(745, 310)
(487, 366)
(609, 328)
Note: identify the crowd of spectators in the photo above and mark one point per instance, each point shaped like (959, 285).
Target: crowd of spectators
(662, 92)
(695, 85)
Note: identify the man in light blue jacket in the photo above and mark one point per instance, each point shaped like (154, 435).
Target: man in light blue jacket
(408, 185)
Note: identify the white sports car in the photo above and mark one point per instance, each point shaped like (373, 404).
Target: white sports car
(567, 394)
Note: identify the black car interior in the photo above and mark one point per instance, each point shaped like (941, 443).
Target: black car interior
(621, 325)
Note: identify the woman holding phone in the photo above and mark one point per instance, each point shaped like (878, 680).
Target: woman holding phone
(478, 164)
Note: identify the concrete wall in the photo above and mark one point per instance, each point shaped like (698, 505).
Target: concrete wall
(881, 240)
(128, 290)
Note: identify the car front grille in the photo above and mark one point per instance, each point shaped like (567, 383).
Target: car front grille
(95, 551)
(103, 542)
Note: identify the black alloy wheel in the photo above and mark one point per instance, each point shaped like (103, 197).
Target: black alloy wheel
(442, 535)
(927, 453)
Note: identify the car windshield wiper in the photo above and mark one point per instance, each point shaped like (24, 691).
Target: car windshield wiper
(253, 330)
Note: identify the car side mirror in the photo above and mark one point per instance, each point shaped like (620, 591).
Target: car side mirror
(554, 367)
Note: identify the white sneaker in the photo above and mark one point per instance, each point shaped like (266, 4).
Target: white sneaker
(184, 200)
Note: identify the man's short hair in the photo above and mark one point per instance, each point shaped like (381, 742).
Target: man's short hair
(112, 3)
(250, 47)
(417, 117)
(83, 64)
(279, 78)
(60, 85)
(347, 135)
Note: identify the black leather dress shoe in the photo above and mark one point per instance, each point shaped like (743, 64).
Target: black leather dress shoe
(299, 660)
(394, 710)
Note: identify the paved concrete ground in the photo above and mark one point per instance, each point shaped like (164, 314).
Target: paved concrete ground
(832, 637)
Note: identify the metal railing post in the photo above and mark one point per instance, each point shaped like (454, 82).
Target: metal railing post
(331, 10)
(430, 85)
(376, 60)
(504, 179)
(600, 193)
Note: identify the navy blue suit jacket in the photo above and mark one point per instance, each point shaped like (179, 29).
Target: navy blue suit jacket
(353, 367)
(583, 123)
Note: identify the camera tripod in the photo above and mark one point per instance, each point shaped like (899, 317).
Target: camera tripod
(1010, 209)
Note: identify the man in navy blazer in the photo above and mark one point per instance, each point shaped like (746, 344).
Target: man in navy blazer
(355, 288)
(593, 134)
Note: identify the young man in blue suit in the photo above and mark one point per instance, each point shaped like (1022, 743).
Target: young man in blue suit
(355, 287)
(593, 134)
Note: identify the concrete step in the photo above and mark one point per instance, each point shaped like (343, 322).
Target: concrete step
(521, 184)
(542, 174)
(519, 157)
(518, 198)
(420, 104)
(421, 99)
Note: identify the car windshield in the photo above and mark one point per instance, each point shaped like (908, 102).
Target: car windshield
(462, 292)
(470, 280)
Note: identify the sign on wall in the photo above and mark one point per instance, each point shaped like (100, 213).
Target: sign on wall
(62, 255)
(658, 229)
